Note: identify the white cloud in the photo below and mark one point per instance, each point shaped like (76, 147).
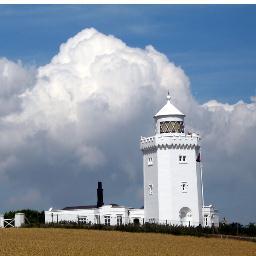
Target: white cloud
(232, 124)
(91, 103)
(14, 79)
(94, 84)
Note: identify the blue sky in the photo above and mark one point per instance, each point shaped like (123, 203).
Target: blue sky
(215, 45)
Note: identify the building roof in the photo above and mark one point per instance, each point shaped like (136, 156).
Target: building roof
(116, 205)
(169, 109)
(86, 207)
(69, 208)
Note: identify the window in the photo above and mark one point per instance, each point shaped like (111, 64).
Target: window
(82, 219)
(107, 220)
(206, 220)
(97, 217)
(150, 161)
(182, 159)
(150, 189)
(119, 220)
(184, 187)
(172, 127)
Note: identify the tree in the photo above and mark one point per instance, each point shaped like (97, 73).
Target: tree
(32, 216)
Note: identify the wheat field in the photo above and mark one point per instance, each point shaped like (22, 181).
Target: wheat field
(36, 242)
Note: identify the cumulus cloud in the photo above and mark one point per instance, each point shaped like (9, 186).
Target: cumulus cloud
(81, 120)
(14, 80)
(232, 123)
(94, 85)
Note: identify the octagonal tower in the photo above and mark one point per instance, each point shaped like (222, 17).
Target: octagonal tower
(172, 174)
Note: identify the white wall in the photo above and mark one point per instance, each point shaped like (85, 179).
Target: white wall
(19, 220)
(150, 177)
(136, 214)
(167, 175)
(90, 214)
(212, 216)
(1, 221)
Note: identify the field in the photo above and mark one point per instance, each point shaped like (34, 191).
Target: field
(70, 242)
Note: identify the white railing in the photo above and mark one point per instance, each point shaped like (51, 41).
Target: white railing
(116, 220)
(9, 223)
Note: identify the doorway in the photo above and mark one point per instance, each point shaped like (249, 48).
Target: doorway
(185, 216)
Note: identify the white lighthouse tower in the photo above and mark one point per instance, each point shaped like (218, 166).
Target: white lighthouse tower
(173, 191)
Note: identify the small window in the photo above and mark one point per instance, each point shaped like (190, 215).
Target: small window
(150, 189)
(97, 217)
(150, 161)
(184, 187)
(82, 219)
(182, 159)
(206, 220)
(107, 220)
(119, 220)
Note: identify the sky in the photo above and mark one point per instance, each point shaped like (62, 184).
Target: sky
(79, 85)
(195, 37)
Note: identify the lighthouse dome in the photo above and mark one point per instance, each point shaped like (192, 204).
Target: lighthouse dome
(169, 119)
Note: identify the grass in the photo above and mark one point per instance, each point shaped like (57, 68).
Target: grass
(39, 241)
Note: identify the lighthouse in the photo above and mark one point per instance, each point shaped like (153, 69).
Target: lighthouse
(173, 189)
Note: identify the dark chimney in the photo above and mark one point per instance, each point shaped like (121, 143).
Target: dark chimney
(100, 195)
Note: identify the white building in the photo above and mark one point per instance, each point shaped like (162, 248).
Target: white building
(173, 187)
(111, 214)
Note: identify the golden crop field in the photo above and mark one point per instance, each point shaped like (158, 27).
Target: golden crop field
(68, 242)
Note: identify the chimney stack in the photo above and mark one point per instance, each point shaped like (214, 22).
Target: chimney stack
(100, 195)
